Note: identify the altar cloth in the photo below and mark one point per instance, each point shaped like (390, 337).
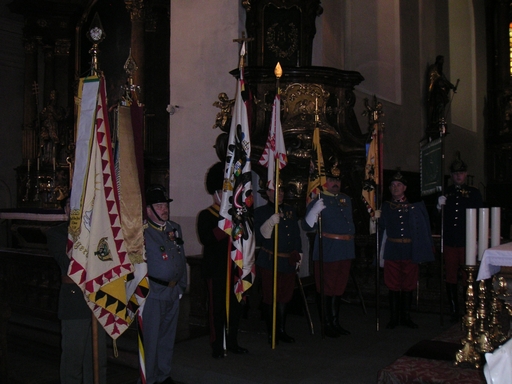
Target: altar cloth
(493, 259)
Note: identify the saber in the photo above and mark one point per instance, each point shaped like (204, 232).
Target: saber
(310, 321)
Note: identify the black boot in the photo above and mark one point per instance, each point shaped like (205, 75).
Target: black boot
(406, 310)
(329, 329)
(453, 299)
(281, 324)
(336, 303)
(394, 303)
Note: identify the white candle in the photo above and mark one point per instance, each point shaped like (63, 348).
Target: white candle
(471, 236)
(38, 163)
(483, 231)
(495, 226)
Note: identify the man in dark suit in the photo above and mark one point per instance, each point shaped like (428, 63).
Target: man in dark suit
(76, 365)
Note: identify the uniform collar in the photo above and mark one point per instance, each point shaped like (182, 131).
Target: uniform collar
(156, 226)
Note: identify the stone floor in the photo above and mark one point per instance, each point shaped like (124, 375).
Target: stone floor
(33, 355)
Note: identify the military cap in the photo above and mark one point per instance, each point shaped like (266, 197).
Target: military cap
(458, 166)
(398, 177)
(333, 172)
(155, 194)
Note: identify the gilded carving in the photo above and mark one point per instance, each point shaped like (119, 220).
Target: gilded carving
(30, 46)
(303, 99)
(223, 117)
(62, 46)
(284, 42)
(136, 9)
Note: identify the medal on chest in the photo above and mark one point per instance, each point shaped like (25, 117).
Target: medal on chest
(164, 254)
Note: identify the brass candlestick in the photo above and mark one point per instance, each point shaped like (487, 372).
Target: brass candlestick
(483, 344)
(495, 329)
(468, 352)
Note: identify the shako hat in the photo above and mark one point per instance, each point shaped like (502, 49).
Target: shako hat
(333, 172)
(398, 177)
(458, 165)
(215, 178)
(155, 194)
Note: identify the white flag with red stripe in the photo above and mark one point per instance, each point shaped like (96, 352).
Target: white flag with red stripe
(275, 150)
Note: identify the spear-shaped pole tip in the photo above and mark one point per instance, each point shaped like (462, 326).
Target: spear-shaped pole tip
(278, 71)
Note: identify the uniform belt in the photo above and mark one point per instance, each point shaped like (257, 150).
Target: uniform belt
(280, 254)
(65, 279)
(162, 282)
(402, 240)
(337, 237)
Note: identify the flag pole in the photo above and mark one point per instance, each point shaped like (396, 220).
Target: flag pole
(95, 355)
(278, 72)
(228, 283)
(442, 134)
(320, 249)
(228, 267)
(378, 204)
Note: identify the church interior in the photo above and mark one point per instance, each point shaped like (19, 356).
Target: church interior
(348, 66)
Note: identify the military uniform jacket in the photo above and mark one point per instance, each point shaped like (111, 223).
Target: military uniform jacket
(72, 304)
(215, 251)
(166, 260)
(457, 200)
(336, 220)
(289, 237)
(408, 234)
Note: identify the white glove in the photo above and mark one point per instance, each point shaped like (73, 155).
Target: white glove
(312, 216)
(267, 227)
(376, 214)
(298, 263)
(440, 202)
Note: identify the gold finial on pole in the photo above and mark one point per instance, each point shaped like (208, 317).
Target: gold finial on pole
(278, 71)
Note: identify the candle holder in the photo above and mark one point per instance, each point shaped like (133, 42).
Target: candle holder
(483, 344)
(28, 183)
(468, 353)
(495, 329)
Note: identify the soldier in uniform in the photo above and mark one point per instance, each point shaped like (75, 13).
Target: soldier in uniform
(406, 241)
(167, 283)
(289, 255)
(215, 261)
(457, 198)
(338, 248)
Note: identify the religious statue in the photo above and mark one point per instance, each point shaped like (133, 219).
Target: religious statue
(439, 88)
(224, 115)
(51, 115)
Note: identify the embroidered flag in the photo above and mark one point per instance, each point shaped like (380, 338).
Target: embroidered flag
(373, 169)
(274, 149)
(236, 210)
(317, 180)
(99, 261)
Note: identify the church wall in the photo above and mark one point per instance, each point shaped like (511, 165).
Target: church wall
(202, 57)
(202, 54)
